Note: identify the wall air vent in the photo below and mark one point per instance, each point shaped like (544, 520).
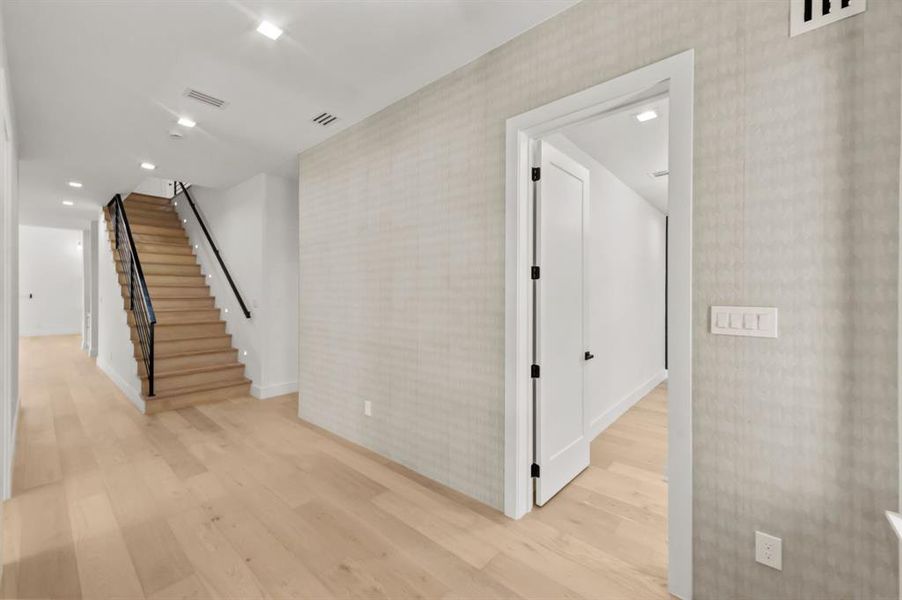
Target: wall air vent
(206, 98)
(325, 119)
(807, 15)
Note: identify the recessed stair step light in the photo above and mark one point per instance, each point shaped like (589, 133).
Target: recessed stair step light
(657, 174)
(148, 166)
(186, 122)
(75, 184)
(269, 30)
(68, 203)
(646, 115)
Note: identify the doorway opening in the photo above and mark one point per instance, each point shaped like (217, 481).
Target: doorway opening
(589, 329)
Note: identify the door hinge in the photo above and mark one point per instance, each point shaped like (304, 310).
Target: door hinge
(534, 272)
(536, 173)
(534, 371)
(534, 470)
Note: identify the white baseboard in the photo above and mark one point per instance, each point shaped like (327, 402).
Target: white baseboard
(264, 392)
(133, 394)
(603, 421)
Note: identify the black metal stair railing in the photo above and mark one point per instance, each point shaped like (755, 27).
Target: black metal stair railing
(184, 190)
(139, 302)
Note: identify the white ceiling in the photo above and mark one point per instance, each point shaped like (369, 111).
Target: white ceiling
(629, 149)
(97, 85)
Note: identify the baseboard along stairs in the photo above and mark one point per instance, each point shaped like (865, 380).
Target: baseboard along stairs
(194, 360)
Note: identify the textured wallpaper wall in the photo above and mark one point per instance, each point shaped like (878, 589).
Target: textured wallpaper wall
(796, 205)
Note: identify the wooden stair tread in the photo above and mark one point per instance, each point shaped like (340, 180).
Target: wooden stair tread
(185, 324)
(195, 370)
(196, 353)
(202, 387)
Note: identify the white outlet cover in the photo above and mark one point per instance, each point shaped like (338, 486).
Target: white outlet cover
(368, 408)
(769, 550)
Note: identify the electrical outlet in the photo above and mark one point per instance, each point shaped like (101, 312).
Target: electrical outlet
(769, 550)
(368, 408)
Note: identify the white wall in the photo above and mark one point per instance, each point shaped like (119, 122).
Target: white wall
(50, 281)
(90, 249)
(9, 279)
(626, 254)
(115, 351)
(255, 226)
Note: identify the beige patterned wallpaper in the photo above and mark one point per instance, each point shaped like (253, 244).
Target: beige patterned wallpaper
(796, 205)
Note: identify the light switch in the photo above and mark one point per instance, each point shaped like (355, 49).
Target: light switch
(723, 320)
(750, 321)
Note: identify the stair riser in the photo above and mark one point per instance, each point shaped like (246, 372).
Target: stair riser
(162, 269)
(213, 344)
(193, 399)
(141, 199)
(168, 232)
(166, 384)
(147, 238)
(189, 362)
(181, 332)
(183, 303)
(172, 318)
(157, 291)
(168, 221)
(151, 248)
(168, 280)
(149, 258)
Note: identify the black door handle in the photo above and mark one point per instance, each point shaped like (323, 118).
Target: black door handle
(589, 355)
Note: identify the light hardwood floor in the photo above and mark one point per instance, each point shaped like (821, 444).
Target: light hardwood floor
(243, 500)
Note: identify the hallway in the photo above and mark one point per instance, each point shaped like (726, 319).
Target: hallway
(241, 499)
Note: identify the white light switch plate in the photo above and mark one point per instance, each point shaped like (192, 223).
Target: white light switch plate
(749, 321)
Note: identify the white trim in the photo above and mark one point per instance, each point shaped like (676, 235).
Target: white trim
(675, 75)
(264, 392)
(604, 420)
(133, 395)
(11, 453)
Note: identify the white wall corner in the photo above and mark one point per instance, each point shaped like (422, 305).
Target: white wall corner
(132, 394)
(265, 392)
(604, 420)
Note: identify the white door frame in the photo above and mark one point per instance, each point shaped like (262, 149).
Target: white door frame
(676, 76)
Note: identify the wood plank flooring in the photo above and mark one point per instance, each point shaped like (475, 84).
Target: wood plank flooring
(242, 500)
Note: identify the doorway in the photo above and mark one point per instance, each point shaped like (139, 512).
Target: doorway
(560, 446)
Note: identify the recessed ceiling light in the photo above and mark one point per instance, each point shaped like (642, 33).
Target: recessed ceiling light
(646, 115)
(75, 184)
(68, 203)
(269, 30)
(186, 122)
(148, 166)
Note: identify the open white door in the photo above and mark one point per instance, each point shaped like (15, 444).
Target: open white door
(560, 351)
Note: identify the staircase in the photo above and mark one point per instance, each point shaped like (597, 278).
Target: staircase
(193, 358)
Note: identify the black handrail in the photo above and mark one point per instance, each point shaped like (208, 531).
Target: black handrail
(140, 305)
(210, 241)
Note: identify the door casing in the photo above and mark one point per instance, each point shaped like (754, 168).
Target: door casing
(675, 77)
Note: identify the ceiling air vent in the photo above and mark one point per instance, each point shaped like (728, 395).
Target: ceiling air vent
(206, 98)
(325, 119)
(807, 15)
